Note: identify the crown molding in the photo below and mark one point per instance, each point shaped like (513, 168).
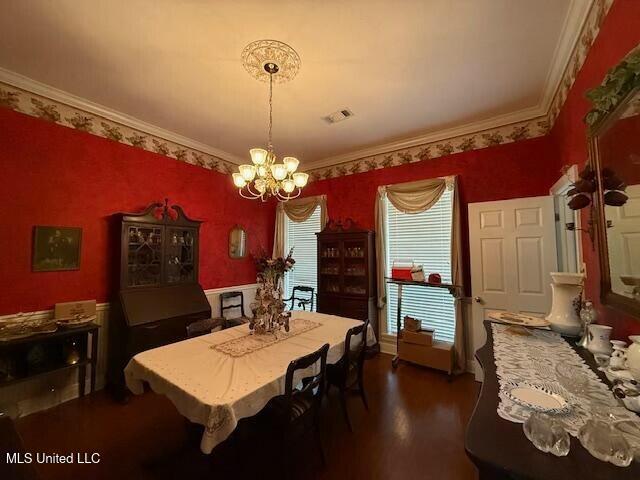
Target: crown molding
(572, 30)
(33, 86)
(503, 120)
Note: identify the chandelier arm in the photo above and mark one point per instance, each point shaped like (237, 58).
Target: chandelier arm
(251, 192)
(288, 197)
(247, 196)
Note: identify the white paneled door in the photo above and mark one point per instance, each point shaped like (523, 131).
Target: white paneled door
(513, 250)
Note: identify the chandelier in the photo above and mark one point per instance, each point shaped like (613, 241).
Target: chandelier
(270, 61)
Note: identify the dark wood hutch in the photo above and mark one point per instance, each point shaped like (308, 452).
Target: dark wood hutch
(347, 272)
(159, 290)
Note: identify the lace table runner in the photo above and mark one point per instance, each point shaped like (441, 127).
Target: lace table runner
(249, 343)
(529, 355)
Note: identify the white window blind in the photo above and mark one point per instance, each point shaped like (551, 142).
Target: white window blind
(425, 238)
(302, 237)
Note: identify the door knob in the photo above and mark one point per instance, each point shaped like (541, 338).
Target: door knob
(477, 299)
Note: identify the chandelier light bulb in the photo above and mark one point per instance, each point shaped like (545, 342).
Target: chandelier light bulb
(300, 179)
(291, 163)
(258, 155)
(279, 171)
(248, 172)
(262, 171)
(288, 186)
(238, 180)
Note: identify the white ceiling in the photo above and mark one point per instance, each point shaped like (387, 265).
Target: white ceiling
(404, 67)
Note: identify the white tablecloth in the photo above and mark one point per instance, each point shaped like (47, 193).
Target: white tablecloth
(215, 389)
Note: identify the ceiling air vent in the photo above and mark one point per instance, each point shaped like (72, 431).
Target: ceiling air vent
(338, 116)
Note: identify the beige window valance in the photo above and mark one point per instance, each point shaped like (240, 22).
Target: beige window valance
(415, 197)
(297, 210)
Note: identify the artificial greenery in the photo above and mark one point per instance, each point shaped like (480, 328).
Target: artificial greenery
(617, 84)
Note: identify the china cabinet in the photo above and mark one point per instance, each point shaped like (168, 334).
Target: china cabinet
(159, 291)
(346, 272)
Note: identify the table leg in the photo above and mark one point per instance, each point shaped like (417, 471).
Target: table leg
(94, 359)
(396, 359)
(82, 377)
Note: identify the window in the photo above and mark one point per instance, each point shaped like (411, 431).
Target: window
(302, 237)
(425, 238)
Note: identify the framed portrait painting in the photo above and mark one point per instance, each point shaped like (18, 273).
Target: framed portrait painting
(56, 248)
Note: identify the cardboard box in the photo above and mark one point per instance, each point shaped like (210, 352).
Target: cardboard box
(70, 309)
(421, 337)
(412, 324)
(439, 355)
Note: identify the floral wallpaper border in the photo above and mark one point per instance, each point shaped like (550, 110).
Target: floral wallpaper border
(590, 30)
(496, 136)
(62, 114)
(65, 115)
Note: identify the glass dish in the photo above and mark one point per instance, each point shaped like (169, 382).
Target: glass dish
(547, 434)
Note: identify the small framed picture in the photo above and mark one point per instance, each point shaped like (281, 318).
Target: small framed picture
(56, 248)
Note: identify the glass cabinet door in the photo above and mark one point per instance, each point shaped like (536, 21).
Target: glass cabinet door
(144, 256)
(179, 255)
(330, 268)
(355, 266)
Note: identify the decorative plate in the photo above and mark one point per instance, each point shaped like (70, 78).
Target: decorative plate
(538, 397)
(519, 319)
(76, 321)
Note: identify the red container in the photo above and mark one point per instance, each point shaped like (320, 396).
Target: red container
(401, 273)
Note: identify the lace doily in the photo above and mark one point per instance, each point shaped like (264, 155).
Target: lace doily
(533, 358)
(250, 343)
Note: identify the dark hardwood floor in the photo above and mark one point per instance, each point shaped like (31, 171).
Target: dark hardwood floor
(414, 430)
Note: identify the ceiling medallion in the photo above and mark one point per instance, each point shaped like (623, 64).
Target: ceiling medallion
(257, 55)
(271, 61)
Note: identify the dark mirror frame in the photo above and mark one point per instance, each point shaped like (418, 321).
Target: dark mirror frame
(602, 123)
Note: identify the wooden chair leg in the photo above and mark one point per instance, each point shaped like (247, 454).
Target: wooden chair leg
(285, 463)
(316, 434)
(362, 393)
(343, 403)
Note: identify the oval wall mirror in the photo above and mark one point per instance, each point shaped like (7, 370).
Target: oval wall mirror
(237, 242)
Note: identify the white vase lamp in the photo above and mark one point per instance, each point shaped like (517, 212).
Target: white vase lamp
(565, 288)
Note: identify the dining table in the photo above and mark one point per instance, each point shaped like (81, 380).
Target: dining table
(219, 378)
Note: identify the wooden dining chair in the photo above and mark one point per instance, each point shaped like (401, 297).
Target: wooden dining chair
(298, 295)
(203, 327)
(347, 374)
(297, 411)
(238, 305)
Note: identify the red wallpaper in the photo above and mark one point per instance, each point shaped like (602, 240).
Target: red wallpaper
(522, 169)
(53, 175)
(618, 35)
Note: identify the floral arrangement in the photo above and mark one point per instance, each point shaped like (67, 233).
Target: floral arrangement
(273, 266)
(268, 308)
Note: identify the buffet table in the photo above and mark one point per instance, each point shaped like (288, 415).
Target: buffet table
(499, 448)
(217, 379)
